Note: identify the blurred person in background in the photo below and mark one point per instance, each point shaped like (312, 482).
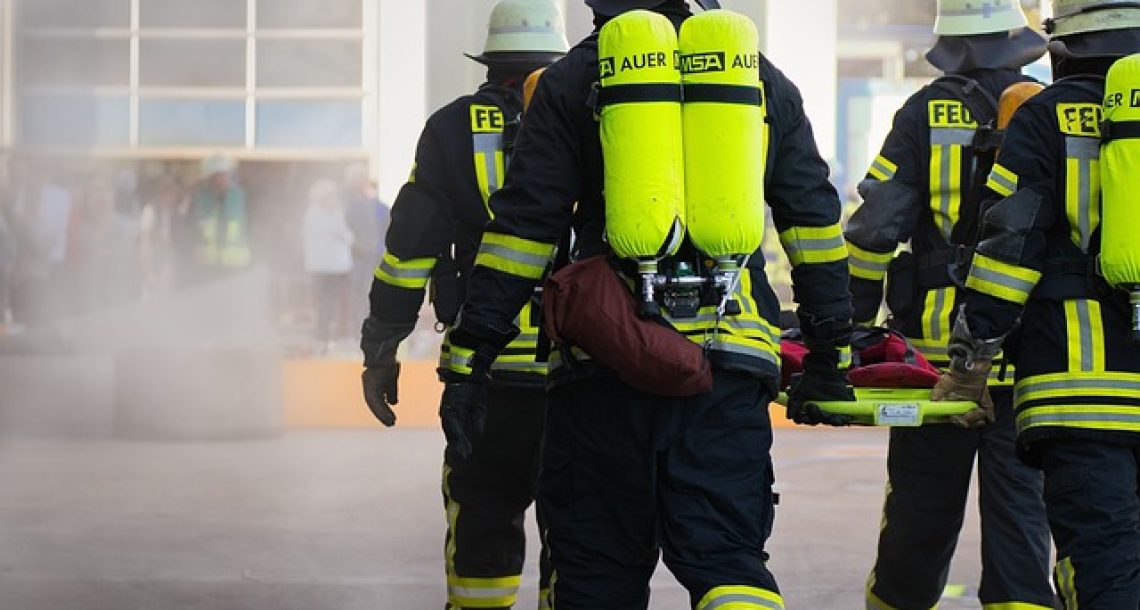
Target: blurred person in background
(328, 260)
(924, 188)
(437, 223)
(104, 249)
(7, 251)
(40, 215)
(159, 221)
(368, 219)
(220, 222)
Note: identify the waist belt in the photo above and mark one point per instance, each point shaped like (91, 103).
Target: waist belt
(1071, 278)
(938, 269)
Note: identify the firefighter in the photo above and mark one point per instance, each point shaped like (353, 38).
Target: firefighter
(436, 223)
(1035, 285)
(630, 474)
(920, 189)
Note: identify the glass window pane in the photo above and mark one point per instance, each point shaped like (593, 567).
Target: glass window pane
(164, 122)
(308, 124)
(310, 14)
(74, 62)
(74, 13)
(192, 63)
(309, 63)
(192, 13)
(50, 120)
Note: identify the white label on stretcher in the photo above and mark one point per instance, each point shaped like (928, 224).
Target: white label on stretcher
(898, 414)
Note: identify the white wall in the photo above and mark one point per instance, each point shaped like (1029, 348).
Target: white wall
(800, 38)
(402, 86)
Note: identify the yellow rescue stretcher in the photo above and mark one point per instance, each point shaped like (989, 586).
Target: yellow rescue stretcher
(892, 407)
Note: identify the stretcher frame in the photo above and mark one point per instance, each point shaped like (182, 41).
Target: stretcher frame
(905, 407)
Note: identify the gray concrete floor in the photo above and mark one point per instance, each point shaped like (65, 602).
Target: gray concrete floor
(352, 520)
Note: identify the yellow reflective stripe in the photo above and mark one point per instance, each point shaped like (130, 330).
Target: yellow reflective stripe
(866, 264)
(1066, 577)
(945, 177)
(1084, 416)
(1015, 606)
(514, 255)
(882, 168)
(1002, 280)
(457, 359)
(469, 592)
(1002, 181)
(1085, 335)
(813, 245)
(936, 310)
(412, 273)
(844, 357)
(519, 363)
(875, 603)
(1082, 188)
(452, 509)
(1065, 385)
(544, 602)
(740, 597)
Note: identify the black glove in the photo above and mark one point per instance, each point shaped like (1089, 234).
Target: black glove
(822, 380)
(378, 341)
(463, 414)
(463, 408)
(380, 390)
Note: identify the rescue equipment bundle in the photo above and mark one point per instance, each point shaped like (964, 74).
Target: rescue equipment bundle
(1119, 260)
(683, 138)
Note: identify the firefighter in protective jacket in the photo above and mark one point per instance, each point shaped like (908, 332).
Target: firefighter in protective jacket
(437, 221)
(919, 189)
(629, 474)
(1035, 275)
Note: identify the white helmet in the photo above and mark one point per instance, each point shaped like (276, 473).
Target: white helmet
(524, 31)
(1080, 16)
(1094, 28)
(970, 17)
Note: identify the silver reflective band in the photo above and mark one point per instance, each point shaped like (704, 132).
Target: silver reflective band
(743, 598)
(534, 260)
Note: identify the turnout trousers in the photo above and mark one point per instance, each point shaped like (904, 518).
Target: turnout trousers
(1094, 513)
(929, 470)
(486, 497)
(628, 476)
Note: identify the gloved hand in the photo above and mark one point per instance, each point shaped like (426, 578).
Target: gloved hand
(463, 407)
(463, 414)
(380, 390)
(967, 380)
(379, 341)
(822, 380)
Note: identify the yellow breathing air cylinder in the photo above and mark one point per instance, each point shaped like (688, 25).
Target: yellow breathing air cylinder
(1120, 182)
(724, 135)
(641, 136)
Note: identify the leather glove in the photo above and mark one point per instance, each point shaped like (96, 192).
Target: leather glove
(971, 359)
(381, 390)
(379, 341)
(822, 380)
(967, 380)
(463, 414)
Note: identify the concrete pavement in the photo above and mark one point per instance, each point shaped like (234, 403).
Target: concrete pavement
(352, 519)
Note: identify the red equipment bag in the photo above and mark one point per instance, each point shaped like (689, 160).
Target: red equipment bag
(880, 358)
(587, 305)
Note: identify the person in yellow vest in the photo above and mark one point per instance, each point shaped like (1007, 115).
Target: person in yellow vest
(1038, 289)
(436, 224)
(220, 222)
